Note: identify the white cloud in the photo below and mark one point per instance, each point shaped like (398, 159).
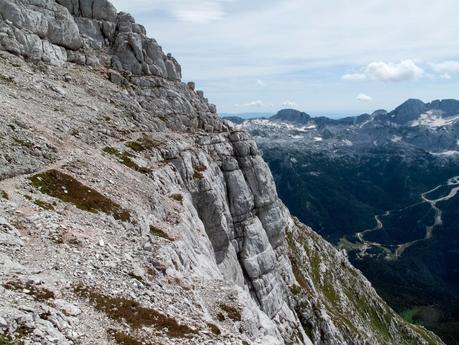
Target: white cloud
(354, 76)
(199, 12)
(364, 98)
(261, 83)
(289, 104)
(446, 67)
(188, 11)
(254, 104)
(388, 72)
(405, 70)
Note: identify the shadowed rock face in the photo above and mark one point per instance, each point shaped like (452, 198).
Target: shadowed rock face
(208, 253)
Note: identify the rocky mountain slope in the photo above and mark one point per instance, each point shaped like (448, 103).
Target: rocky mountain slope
(384, 188)
(131, 214)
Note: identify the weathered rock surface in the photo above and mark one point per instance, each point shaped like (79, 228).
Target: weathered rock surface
(129, 213)
(88, 32)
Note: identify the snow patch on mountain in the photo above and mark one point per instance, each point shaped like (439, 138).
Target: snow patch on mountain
(434, 119)
(278, 125)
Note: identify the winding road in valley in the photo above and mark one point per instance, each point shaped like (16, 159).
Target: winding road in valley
(364, 245)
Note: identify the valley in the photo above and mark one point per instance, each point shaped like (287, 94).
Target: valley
(364, 246)
(382, 187)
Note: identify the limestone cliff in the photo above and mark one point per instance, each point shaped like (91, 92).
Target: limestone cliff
(131, 214)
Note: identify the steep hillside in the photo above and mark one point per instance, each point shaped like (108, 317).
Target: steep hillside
(384, 188)
(131, 214)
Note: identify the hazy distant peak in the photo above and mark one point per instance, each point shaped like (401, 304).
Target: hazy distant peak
(292, 116)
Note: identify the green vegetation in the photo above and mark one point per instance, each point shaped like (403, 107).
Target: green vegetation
(198, 171)
(133, 314)
(408, 315)
(308, 329)
(24, 143)
(178, 197)
(126, 159)
(5, 340)
(44, 205)
(66, 188)
(4, 195)
(232, 312)
(143, 144)
(123, 338)
(38, 293)
(6, 79)
(159, 233)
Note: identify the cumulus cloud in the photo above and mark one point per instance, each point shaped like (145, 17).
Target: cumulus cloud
(388, 72)
(289, 104)
(405, 70)
(261, 83)
(364, 98)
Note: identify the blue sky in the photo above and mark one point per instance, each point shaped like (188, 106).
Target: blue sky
(327, 56)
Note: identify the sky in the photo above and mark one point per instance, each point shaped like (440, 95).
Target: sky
(337, 57)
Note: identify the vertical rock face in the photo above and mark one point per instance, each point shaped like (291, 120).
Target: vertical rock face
(130, 213)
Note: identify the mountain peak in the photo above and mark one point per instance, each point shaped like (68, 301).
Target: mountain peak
(407, 111)
(291, 116)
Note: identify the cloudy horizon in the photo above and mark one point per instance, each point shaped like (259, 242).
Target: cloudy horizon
(336, 56)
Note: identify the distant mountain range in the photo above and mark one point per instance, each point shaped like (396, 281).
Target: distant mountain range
(432, 126)
(403, 114)
(384, 187)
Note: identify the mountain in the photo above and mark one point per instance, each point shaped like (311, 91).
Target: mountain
(234, 119)
(384, 188)
(412, 109)
(131, 214)
(291, 116)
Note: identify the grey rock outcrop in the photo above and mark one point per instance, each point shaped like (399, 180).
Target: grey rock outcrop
(139, 196)
(78, 31)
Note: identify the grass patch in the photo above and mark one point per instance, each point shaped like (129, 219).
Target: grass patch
(66, 188)
(198, 175)
(5, 340)
(6, 79)
(123, 338)
(4, 195)
(232, 312)
(408, 315)
(24, 143)
(39, 294)
(126, 159)
(159, 233)
(198, 171)
(177, 197)
(214, 328)
(143, 144)
(44, 205)
(132, 313)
